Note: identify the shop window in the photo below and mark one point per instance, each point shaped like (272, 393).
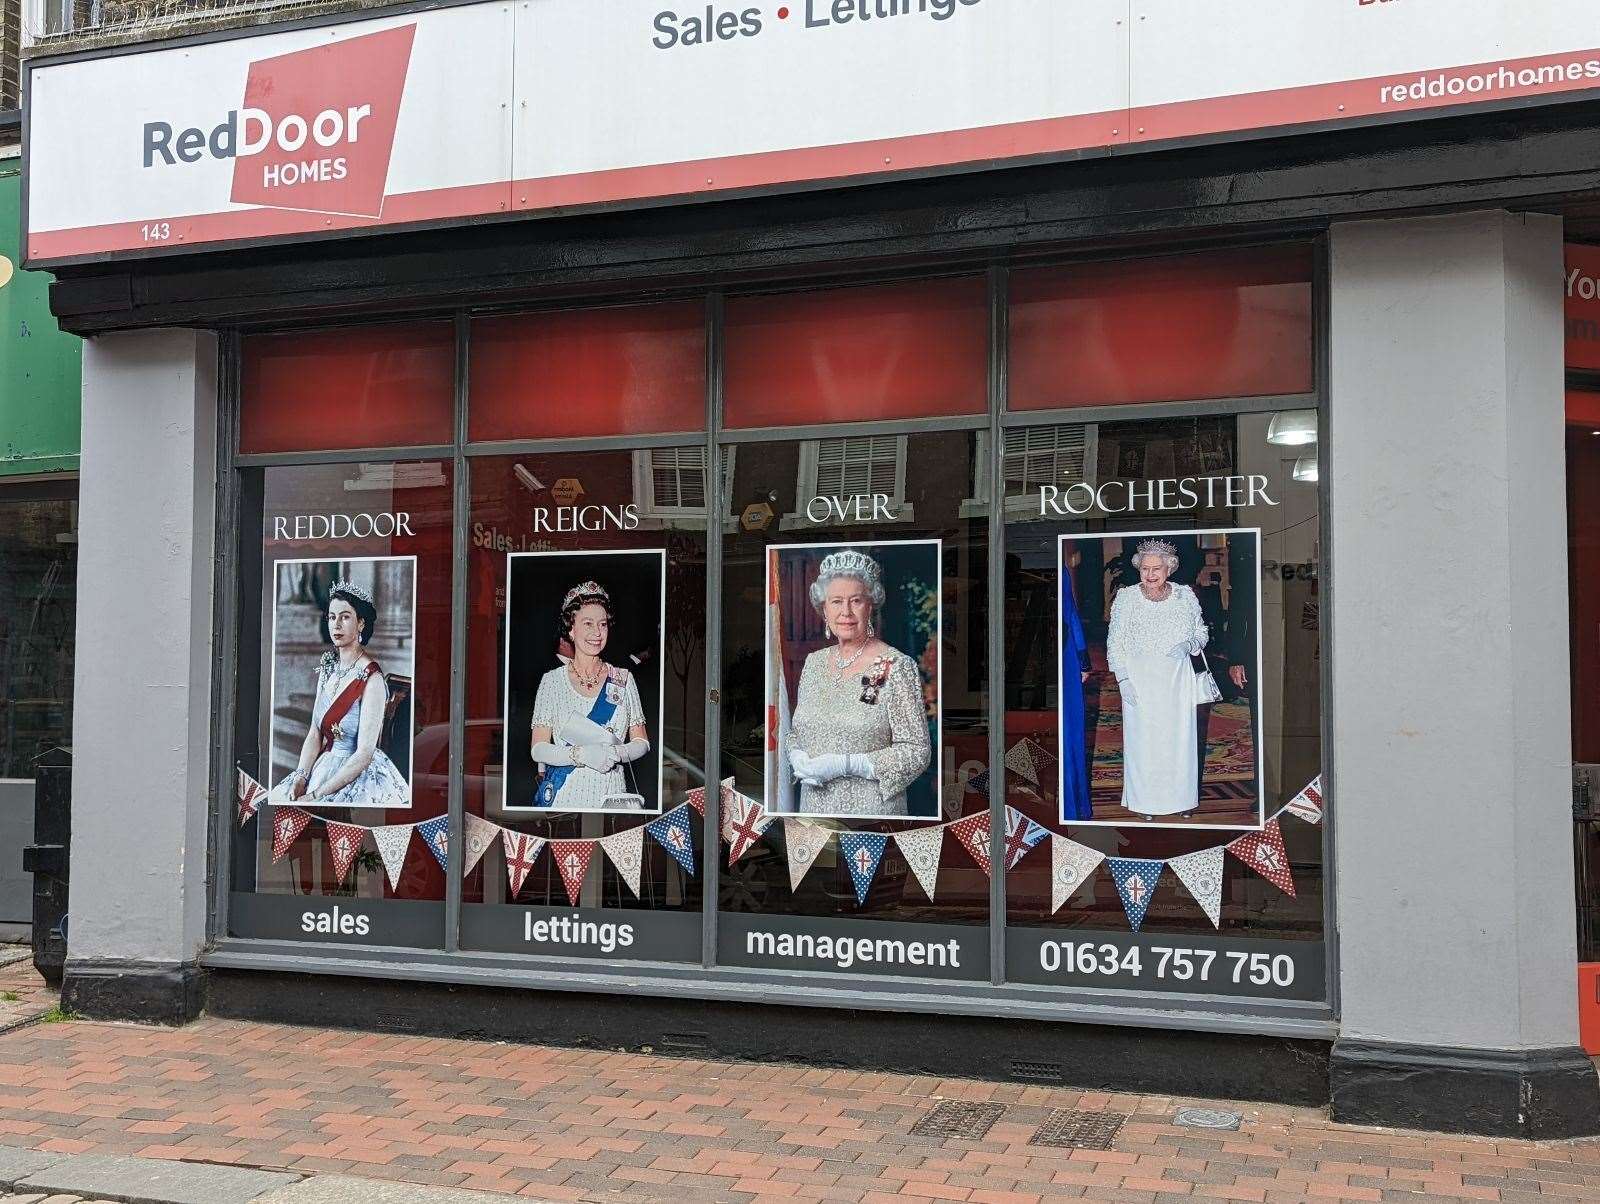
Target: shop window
(854, 704)
(1178, 328)
(363, 386)
(854, 467)
(1159, 729)
(913, 350)
(38, 609)
(630, 370)
(586, 705)
(342, 735)
(1034, 458)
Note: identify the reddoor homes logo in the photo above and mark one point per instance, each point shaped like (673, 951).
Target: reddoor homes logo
(314, 132)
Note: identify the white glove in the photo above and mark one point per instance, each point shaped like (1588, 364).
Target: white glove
(829, 767)
(1129, 697)
(547, 753)
(1188, 648)
(602, 758)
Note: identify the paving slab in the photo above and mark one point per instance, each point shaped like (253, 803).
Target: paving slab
(16, 1165)
(154, 1180)
(343, 1189)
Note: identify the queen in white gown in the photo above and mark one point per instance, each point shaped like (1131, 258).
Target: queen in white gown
(1156, 626)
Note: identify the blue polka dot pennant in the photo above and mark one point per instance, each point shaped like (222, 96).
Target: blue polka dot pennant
(674, 833)
(435, 834)
(1136, 880)
(863, 852)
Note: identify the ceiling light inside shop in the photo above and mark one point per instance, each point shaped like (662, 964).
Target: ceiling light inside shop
(1293, 428)
(1305, 469)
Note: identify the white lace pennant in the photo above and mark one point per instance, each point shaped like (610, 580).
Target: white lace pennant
(1201, 875)
(803, 842)
(393, 842)
(626, 851)
(1071, 864)
(922, 849)
(479, 836)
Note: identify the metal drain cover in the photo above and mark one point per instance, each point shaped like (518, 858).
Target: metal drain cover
(1068, 1128)
(1207, 1118)
(953, 1118)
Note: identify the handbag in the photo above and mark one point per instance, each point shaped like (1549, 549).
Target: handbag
(1206, 690)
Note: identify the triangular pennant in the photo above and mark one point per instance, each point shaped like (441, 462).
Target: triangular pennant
(672, 832)
(572, 863)
(802, 841)
(743, 824)
(287, 824)
(1136, 879)
(344, 842)
(973, 833)
(251, 793)
(696, 798)
(1022, 836)
(978, 783)
(394, 842)
(922, 848)
(478, 838)
(1307, 805)
(1201, 875)
(435, 834)
(1044, 761)
(521, 851)
(626, 851)
(1263, 852)
(1020, 761)
(863, 853)
(1071, 864)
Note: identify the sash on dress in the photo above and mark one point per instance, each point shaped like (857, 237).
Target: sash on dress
(340, 707)
(556, 775)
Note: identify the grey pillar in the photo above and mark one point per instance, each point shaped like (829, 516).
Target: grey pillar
(142, 705)
(1450, 679)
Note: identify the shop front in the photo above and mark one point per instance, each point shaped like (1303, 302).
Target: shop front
(891, 625)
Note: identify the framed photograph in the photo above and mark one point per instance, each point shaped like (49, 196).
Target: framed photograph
(852, 684)
(584, 681)
(1160, 712)
(343, 658)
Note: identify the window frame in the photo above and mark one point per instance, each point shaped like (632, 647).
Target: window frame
(708, 980)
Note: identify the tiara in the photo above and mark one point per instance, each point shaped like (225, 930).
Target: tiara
(1155, 547)
(850, 564)
(354, 590)
(582, 589)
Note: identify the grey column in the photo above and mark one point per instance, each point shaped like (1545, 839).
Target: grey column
(141, 723)
(1451, 759)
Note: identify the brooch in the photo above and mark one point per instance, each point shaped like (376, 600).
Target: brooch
(872, 680)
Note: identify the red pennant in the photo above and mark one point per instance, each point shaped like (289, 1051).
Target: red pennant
(344, 842)
(696, 798)
(287, 824)
(251, 793)
(521, 852)
(572, 862)
(1263, 852)
(743, 824)
(973, 833)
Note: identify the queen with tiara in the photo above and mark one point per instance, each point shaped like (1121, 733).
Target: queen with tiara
(1156, 626)
(340, 762)
(859, 735)
(588, 722)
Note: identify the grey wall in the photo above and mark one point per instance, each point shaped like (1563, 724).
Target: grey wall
(16, 830)
(141, 738)
(1449, 612)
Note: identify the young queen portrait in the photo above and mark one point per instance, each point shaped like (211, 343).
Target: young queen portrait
(859, 734)
(340, 763)
(588, 723)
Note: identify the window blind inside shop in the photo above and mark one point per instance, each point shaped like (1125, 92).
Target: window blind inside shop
(853, 466)
(1045, 455)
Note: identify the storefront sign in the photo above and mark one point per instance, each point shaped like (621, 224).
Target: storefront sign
(1183, 964)
(1583, 306)
(607, 934)
(867, 947)
(341, 920)
(546, 106)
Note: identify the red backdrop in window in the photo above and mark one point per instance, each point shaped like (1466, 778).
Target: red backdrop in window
(361, 386)
(913, 350)
(1189, 327)
(634, 370)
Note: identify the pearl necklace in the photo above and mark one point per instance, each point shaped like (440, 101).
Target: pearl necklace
(588, 683)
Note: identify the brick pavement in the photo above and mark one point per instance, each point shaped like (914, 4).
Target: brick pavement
(565, 1124)
(23, 994)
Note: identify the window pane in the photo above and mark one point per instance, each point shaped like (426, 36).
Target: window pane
(586, 703)
(1111, 744)
(1219, 324)
(914, 350)
(344, 702)
(634, 370)
(362, 386)
(860, 848)
(38, 602)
